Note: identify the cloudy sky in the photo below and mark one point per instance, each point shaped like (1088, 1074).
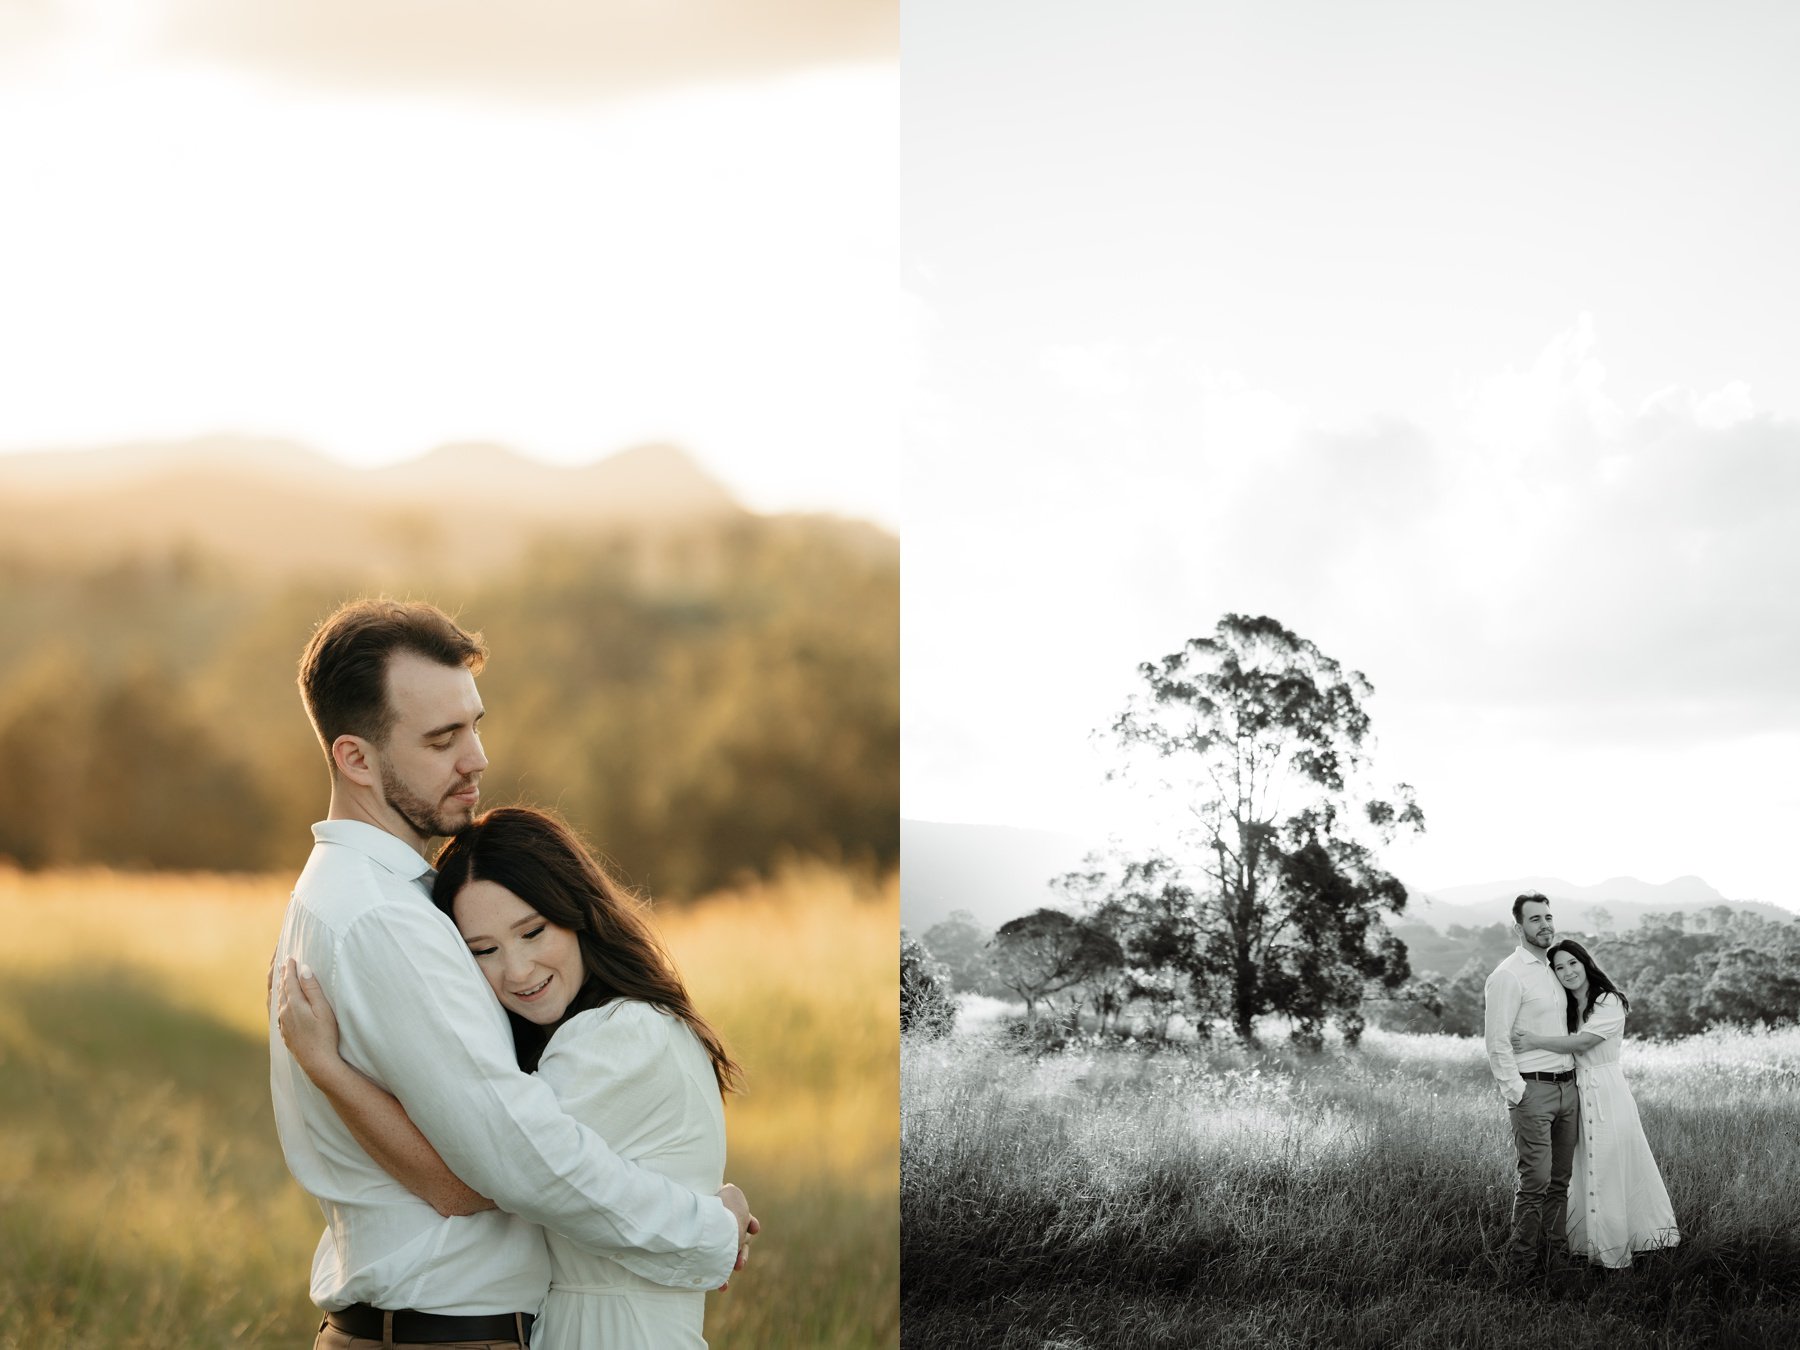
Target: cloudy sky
(1460, 339)
(378, 225)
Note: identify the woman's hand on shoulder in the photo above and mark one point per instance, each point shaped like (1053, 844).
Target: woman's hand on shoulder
(309, 1028)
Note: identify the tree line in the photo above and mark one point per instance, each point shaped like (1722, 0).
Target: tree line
(1683, 973)
(702, 702)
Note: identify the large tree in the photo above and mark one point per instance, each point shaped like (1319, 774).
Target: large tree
(1047, 952)
(1262, 741)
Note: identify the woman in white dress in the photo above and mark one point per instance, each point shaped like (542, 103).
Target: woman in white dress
(1617, 1202)
(598, 1010)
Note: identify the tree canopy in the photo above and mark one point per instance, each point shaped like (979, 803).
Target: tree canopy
(1270, 882)
(926, 1008)
(1682, 972)
(1047, 952)
(702, 702)
(960, 945)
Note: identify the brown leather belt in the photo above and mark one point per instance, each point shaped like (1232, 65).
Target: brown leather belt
(422, 1328)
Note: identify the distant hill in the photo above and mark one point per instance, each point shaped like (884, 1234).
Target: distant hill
(996, 872)
(706, 690)
(279, 508)
(1625, 900)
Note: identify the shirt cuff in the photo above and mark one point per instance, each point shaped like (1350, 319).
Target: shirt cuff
(712, 1264)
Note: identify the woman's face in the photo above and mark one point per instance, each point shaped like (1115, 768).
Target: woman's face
(532, 965)
(1571, 972)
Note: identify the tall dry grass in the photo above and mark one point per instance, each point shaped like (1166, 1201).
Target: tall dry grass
(1115, 1197)
(143, 1199)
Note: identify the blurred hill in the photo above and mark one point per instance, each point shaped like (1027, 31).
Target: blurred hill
(704, 691)
(1430, 922)
(996, 873)
(281, 508)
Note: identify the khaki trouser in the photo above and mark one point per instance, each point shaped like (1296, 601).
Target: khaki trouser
(330, 1338)
(1543, 1130)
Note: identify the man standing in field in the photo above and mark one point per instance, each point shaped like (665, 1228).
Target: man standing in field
(1538, 1087)
(390, 689)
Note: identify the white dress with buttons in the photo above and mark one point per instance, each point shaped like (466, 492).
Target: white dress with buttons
(1617, 1202)
(643, 1082)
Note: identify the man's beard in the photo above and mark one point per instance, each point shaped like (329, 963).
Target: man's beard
(428, 819)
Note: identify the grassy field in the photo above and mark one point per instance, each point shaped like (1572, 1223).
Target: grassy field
(143, 1198)
(1115, 1197)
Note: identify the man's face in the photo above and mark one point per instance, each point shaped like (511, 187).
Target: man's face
(1536, 927)
(431, 764)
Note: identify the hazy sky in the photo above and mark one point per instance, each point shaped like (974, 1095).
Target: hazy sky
(1460, 339)
(382, 225)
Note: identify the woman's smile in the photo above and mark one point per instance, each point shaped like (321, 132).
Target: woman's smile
(532, 965)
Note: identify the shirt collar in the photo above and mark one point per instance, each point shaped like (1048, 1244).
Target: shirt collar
(391, 851)
(1530, 953)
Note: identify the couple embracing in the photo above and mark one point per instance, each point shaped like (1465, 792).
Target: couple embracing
(487, 1072)
(1587, 1183)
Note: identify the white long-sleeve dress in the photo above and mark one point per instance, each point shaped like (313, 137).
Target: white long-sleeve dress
(641, 1080)
(1617, 1202)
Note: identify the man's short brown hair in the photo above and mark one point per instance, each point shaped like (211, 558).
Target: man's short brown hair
(343, 671)
(1528, 898)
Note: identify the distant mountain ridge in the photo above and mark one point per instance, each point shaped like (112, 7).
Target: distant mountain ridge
(663, 478)
(1625, 900)
(279, 507)
(999, 872)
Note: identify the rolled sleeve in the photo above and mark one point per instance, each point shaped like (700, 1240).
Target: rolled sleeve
(1502, 997)
(1607, 1021)
(416, 1017)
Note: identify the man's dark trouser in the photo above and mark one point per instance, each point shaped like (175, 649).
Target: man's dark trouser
(1543, 1130)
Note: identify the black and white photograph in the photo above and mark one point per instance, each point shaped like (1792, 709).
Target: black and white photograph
(1351, 490)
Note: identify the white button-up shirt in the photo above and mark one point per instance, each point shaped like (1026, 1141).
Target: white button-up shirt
(416, 1015)
(1523, 992)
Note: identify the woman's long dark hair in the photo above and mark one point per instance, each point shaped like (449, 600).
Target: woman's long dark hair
(542, 861)
(1598, 984)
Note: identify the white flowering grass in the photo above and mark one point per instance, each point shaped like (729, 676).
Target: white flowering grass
(1117, 1195)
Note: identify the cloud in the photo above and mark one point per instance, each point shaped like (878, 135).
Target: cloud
(1563, 390)
(1544, 559)
(1594, 574)
(529, 49)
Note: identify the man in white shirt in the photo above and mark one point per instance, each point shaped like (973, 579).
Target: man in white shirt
(390, 689)
(1538, 1087)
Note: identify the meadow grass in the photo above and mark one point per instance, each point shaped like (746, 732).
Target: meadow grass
(143, 1197)
(1116, 1196)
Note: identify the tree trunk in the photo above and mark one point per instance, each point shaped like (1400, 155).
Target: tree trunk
(1243, 993)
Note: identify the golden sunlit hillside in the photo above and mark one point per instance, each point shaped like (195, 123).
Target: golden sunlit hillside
(280, 510)
(706, 694)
